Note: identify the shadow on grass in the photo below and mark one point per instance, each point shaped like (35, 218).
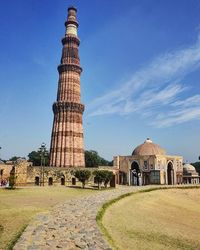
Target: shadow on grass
(91, 188)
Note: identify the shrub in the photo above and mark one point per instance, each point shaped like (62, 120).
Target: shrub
(108, 177)
(82, 175)
(12, 180)
(99, 177)
(103, 176)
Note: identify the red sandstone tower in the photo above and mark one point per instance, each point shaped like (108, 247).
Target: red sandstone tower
(67, 134)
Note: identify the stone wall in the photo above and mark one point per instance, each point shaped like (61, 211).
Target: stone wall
(26, 174)
(5, 171)
(48, 176)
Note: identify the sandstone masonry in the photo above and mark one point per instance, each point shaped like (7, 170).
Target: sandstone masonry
(67, 148)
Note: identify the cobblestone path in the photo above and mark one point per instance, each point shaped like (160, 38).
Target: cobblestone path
(70, 225)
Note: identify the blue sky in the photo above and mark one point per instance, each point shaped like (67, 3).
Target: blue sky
(141, 74)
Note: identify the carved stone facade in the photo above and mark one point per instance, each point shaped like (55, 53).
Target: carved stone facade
(67, 149)
(190, 175)
(149, 164)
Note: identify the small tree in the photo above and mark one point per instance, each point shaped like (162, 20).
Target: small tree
(40, 157)
(12, 180)
(82, 175)
(92, 159)
(14, 158)
(100, 176)
(108, 177)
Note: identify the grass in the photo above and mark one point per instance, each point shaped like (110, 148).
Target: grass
(162, 219)
(19, 206)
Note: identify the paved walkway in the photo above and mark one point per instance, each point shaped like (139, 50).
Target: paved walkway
(71, 225)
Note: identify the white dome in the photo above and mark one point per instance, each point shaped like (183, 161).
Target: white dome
(189, 167)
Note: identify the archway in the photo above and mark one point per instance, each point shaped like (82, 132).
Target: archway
(73, 181)
(135, 173)
(122, 178)
(50, 181)
(37, 181)
(1, 172)
(62, 180)
(170, 173)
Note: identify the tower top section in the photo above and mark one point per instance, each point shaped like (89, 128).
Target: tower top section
(72, 8)
(71, 23)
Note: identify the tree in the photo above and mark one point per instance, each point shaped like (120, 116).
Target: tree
(108, 177)
(36, 158)
(92, 159)
(15, 158)
(12, 181)
(103, 176)
(82, 175)
(44, 154)
(197, 166)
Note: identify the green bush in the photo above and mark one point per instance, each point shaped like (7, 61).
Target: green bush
(102, 176)
(82, 175)
(108, 177)
(12, 181)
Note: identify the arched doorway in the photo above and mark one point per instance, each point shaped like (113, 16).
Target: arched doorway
(170, 173)
(73, 181)
(135, 174)
(37, 181)
(122, 178)
(62, 180)
(50, 181)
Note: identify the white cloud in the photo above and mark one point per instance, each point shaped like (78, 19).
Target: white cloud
(177, 117)
(190, 101)
(155, 86)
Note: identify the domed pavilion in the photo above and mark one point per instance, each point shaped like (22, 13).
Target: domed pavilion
(190, 175)
(149, 164)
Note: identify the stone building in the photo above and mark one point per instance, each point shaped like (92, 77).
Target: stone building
(67, 148)
(28, 175)
(149, 164)
(5, 170)
(190, 175)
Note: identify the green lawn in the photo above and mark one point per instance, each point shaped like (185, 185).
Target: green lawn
(162, 219)
(17, 207)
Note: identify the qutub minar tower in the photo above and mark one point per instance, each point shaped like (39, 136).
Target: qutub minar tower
(67, 148)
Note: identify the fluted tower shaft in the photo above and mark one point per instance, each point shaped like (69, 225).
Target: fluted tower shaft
(67, 148)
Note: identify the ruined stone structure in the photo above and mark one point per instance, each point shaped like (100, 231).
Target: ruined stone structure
(67, 148)
(28, 175)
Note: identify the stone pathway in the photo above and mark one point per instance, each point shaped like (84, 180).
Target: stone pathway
(71, 225)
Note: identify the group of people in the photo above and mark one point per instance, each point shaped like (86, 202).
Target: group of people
(4, 183)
